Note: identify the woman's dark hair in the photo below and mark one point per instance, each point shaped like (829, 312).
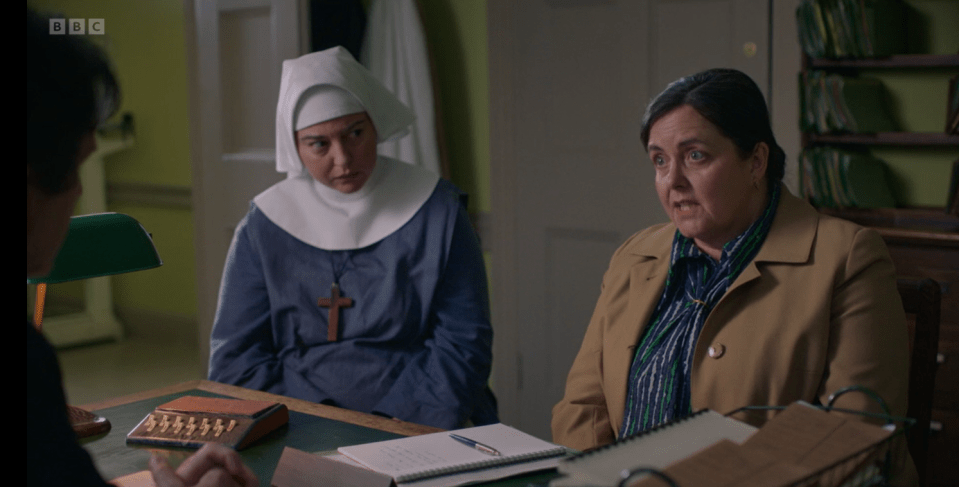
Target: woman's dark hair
(732, 102)
(70, 89)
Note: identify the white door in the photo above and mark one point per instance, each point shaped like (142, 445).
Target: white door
(240, 47)
(570, 80)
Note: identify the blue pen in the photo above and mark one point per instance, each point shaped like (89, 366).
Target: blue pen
(475, 444)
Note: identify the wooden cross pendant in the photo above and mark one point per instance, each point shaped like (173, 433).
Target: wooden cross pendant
(334, 302)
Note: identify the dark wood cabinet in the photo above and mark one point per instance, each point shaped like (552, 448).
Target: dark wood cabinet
(939, 259)
(923, 243)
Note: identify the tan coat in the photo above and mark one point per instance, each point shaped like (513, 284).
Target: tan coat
(816, 310)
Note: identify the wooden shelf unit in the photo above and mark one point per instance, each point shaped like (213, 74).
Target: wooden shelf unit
(903, 139)
(928, 225)
(897, 61)
(923, 242)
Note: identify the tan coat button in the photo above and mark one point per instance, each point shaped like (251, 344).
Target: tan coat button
(717, 350)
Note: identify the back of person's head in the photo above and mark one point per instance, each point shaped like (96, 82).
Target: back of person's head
(70, 89)
(732, 102)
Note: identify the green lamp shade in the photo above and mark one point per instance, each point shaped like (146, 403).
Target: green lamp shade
(102, 244)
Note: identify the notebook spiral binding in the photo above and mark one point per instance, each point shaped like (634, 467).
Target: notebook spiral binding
(635, 436)
(481, 464)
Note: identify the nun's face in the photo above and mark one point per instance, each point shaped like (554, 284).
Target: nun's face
(339, 153)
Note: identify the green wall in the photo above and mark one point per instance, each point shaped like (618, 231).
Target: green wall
(456, 32)
(145, 41)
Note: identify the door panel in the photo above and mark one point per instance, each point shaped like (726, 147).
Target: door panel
(689, 36)
(241, 45)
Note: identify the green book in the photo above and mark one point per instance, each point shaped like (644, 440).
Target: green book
(851, 28)
(814, 157)
(842, 29)
(842, 117)
(806, 177)
(838, 183)
(821, 27)
(833, 103)
(851, 15)
(867, 181)
(833, 26)
(883, 29)
(866, 102)
(835, 178)
(821, 171)
(808, 38)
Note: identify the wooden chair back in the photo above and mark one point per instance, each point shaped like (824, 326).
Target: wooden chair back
(921, 300)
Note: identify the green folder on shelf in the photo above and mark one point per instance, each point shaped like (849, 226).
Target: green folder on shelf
(864, 101)
(834, 178)
(834, 103)
(867, 183)
(882, 28)
(851, 28)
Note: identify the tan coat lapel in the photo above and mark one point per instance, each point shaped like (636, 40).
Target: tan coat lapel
(790, 239)
(647, 278)
(790, 242)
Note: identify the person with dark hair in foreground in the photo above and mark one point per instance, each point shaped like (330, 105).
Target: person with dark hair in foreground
(70, 89)
(748, 297)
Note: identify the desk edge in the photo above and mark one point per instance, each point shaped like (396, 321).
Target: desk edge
(306, 407)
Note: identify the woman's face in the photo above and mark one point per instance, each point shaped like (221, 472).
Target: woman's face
(708, 190)
(340, 153)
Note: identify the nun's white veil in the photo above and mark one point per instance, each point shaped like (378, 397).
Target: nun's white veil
(312, 212)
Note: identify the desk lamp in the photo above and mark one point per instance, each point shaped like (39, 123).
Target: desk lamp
(96, 245)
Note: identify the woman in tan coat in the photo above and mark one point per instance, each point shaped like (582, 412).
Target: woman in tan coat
(748, 297)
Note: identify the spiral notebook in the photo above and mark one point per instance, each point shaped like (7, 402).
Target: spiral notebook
(437, 454)
(657, 448)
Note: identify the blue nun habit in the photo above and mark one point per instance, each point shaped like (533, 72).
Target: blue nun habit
(416, 343)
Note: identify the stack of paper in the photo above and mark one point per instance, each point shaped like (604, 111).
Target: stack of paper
(656, 448)
(798, 443)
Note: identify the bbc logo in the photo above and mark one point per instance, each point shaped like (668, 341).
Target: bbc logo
(77, 26)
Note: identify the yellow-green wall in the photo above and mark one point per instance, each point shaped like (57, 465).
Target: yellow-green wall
(456, 32)
(145, 41)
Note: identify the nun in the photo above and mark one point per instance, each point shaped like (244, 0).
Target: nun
(358, 281)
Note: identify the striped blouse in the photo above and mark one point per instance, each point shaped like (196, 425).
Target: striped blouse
(660, 374)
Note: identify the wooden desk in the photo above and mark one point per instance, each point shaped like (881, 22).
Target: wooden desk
(313, 427)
